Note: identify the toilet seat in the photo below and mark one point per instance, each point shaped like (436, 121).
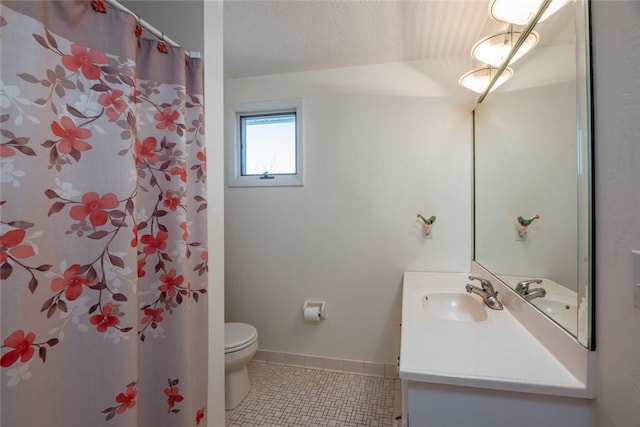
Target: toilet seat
(238, 336)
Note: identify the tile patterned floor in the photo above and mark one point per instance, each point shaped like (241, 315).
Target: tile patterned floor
(289, 396)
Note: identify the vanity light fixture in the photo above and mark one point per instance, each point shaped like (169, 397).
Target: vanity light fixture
(519, 11)
(478, 80)
(494, 49)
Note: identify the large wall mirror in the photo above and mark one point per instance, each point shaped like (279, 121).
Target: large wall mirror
(532, 159)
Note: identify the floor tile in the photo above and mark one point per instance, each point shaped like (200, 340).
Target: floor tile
(291, 396)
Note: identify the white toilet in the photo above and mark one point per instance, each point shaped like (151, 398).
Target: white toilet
(240, 345)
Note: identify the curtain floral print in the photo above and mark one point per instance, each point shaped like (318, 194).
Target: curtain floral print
(103, 263)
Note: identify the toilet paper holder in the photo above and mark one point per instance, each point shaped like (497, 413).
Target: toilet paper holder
(319, 305)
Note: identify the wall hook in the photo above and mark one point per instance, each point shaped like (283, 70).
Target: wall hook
(427, 223)
(523, 225)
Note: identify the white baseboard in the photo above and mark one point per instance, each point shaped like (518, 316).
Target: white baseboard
(383, 370)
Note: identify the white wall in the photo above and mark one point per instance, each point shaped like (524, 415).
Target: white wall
(377, 154)
(616, 53)
(214, 119)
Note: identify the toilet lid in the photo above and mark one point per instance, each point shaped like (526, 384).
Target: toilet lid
(238, 335)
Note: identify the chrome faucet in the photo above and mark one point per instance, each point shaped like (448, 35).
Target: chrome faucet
(486, 292)
(523, 289)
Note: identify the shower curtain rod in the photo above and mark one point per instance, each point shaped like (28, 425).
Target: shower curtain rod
(150, 28)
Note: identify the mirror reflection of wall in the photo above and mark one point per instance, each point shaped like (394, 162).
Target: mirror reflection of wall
(525, 166)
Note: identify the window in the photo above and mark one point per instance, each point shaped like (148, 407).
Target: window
(267, 144)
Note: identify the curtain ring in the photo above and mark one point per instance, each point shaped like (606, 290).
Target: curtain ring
(138, 30)
(162, 45)
(99, 6)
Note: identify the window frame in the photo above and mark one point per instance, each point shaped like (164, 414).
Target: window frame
(235, 153)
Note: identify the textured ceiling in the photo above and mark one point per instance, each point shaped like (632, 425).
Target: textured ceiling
(264, 37)
(269, 37)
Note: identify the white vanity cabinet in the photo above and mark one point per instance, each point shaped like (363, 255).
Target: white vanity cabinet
(488, 371)
(443, 405)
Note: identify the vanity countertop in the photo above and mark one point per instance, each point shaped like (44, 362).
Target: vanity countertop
(497, 353)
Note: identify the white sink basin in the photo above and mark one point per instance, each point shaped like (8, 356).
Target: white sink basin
(457, 306)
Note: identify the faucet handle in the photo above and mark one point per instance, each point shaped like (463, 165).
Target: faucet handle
(523, 286)
(484, 282)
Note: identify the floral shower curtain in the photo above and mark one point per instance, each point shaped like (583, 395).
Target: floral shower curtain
(103, 262)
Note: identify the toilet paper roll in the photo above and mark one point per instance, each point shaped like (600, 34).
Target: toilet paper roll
(312, 314)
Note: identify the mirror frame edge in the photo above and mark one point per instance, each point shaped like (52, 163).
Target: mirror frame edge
(586, 123)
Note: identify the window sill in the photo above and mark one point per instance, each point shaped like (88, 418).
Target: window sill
(276, 181)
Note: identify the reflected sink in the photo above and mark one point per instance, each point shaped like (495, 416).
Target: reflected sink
(455, 306)
(563, 312)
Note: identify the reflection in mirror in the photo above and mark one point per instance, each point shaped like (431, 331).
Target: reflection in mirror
(532, 180)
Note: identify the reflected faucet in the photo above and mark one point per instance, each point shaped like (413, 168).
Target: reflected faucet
(486, 292)
(523, 289)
